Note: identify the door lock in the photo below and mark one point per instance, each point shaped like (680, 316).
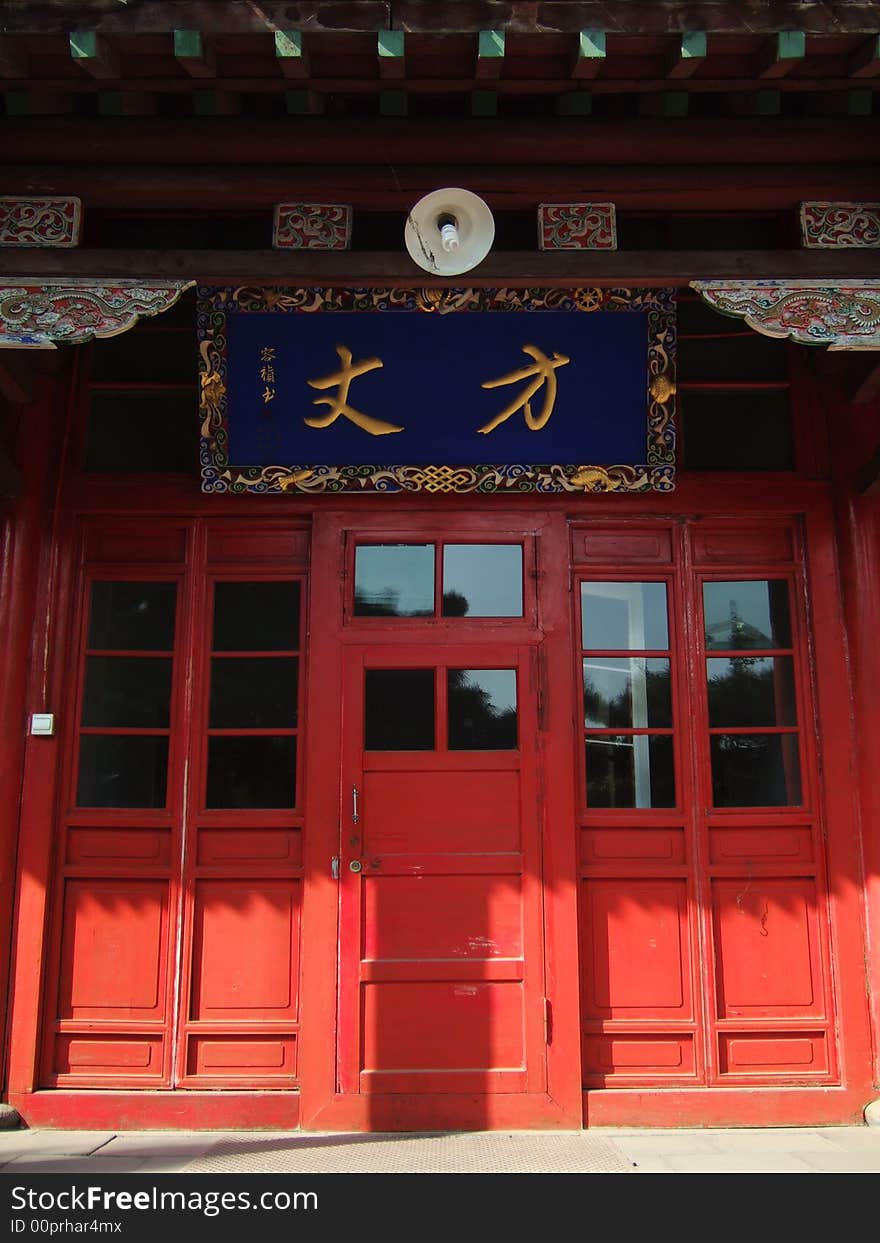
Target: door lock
(355, 866)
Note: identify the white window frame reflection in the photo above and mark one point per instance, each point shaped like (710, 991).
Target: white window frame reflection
(632, 596)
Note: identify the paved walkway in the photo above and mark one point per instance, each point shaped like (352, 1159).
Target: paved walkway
(814, 1150)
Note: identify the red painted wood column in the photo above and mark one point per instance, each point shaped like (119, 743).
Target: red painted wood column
(855, 437)
(26, 531)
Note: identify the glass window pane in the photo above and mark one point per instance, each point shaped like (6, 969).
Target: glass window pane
(751, 690)
(755, 770)
(399, 710)
(627, 694)
(137, 617)
(630, 770)
(256, 617)
(254, 692)
(127, 690)
(116, 770)
(251, 772)
(743, 615)
(482, 709)
(482, 580)
(394, 580)
(624, 616)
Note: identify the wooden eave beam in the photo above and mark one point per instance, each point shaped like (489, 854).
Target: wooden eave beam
(13, 58)
(557, 268)
(689, 56)
(490, 54)
(391, 54)
(291, 55)
(92, 53)
(783, 52)
(193, 54)
(865, 60)
(590, 54)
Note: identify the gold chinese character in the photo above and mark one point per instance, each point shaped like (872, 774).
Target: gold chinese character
(339, 404)
(267, 354)
(268, 374)
(544, 372)
(268, 394)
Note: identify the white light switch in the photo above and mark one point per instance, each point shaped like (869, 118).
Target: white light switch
(43, 723)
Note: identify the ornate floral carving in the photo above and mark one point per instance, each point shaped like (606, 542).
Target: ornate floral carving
(312, 226)
(830, 226)
(811, 312)
(656, 474)
(577, 226)
(70, 312)
(40, 221)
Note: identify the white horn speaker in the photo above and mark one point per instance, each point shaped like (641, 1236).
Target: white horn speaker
(449, 231)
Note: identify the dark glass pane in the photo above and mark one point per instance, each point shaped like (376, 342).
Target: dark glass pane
(251, 772)
(627, 694)
(633, 770)
(394, 580)
(152, 357)
(399, 710)
(141, 431)
(751, 690)
(127, 690)
(116, 770)
(762, 420)
(755, 770)
(628, 616)
(739, 616)
(748, 357)
(482, 709)
(256, 617)
(254, 692)
(137, 617)
(482, 580)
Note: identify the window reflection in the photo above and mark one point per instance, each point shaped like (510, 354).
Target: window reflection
(482, 709)
(743, 615)
(399, 710)
(394, 580)
(633, 770)
(482, 580)
(755, 770)
(626, 693)
(624, 616)
(751, 690)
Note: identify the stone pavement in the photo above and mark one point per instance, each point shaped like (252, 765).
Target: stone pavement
(794, 1150)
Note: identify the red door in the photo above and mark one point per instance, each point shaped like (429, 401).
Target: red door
(442, 987)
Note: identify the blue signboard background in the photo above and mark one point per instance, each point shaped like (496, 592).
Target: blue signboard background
(430, 384)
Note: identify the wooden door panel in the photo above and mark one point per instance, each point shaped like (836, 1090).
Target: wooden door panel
(417, 815)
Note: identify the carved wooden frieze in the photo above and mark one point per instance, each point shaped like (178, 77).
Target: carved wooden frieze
(843, 315)
(577, 226)
(70, 312)
(43, 221)
(830, 226)
(312, 226)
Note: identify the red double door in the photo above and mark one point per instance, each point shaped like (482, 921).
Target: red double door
(446, 1010)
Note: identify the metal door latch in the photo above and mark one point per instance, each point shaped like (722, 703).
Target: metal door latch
(334, 867)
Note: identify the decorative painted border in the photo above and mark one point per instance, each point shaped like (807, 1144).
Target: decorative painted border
(40, 221)
(845, 316)
(311, 226)
(577, 226)
(70, 312)
(218, 475)
(832, 226)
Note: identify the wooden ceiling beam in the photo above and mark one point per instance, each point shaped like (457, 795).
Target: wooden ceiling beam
(291, 55)
(14, 61)
(783, 52)
(11, 482)
(391, 54)
(526, 16)
(558, 268)
(490, 54)
(590, 54)
(253, 188)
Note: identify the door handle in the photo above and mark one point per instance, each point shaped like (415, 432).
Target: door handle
(354, 804)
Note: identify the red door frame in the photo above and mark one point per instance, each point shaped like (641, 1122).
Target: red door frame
(548, 633)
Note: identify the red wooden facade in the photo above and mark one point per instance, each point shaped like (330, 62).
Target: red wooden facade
(339, 892)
